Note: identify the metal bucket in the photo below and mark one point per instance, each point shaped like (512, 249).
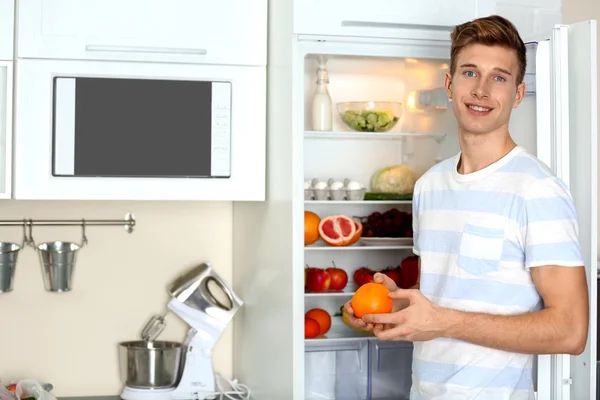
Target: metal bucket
(151, 365)
(58, 263)
(9, 253)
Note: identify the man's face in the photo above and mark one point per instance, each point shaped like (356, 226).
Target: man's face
(483, 89)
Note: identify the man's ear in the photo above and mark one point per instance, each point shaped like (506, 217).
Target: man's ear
(519, 95)
(447, 84)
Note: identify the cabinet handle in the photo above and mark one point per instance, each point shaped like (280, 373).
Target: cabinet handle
(394, 25)
(137, 49)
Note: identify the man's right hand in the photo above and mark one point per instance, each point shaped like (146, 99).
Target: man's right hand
(397, 304)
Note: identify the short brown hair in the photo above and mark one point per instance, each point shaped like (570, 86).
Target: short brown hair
(490, 31)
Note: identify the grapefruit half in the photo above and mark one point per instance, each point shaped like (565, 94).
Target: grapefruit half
(337, 230)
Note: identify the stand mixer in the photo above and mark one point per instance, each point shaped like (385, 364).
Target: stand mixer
(159, 370)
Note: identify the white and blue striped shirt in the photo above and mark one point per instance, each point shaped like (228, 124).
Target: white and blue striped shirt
(477, 235)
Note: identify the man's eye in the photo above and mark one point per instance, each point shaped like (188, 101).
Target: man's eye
(500, 78)
(470, 73)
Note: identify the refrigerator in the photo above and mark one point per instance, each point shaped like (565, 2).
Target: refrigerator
(557, 121)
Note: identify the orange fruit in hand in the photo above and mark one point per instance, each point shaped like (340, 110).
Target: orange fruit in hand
(311, 328)
(371, 298)
(311, 227)
(322, 317)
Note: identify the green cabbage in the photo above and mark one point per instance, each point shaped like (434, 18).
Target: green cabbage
(398, 179)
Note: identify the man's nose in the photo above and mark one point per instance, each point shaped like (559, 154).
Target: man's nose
(481, 90)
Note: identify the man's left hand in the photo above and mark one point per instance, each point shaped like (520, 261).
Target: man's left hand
(420, 321)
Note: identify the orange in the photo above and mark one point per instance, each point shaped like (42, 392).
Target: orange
(311, 227)
(358, 234)
(337, 230)
(371, 298)
(311, 328)
(322, 317)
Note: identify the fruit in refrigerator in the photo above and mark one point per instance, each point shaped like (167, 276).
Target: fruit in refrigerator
(337, 230)
(410, 272)
(339, 278)
(311, 227)
(357, 234)
(311, 328)
(358, 275)
(317, 280)
(322, 317)
(398, 179)
(392, 223)
(371, 298)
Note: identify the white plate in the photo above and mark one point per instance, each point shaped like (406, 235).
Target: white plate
(384, 241)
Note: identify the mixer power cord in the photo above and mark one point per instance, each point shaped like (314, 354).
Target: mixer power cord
(239, 390)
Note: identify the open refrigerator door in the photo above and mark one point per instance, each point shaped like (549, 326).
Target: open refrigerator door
(582, 160)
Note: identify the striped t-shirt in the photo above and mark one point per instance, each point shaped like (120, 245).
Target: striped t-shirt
(477, 236)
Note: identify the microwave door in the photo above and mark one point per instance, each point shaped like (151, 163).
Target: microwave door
(122, 127)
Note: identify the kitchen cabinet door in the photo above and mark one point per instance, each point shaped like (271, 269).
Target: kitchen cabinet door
(432, 19)
(6, 112)
(186, 31)
(7, 12)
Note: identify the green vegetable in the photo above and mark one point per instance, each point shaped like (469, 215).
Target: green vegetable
(369, 121)
(387, 196)
(397, 179)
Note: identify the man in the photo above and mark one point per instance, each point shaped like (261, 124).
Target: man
(501, 270)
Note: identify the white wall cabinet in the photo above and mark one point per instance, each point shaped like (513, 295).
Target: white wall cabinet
(385, 18)
(182, 31)
(7, 12)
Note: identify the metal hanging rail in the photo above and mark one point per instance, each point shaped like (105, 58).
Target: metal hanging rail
(128, 222)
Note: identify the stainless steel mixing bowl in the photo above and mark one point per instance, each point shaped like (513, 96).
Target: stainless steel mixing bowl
(151, 365)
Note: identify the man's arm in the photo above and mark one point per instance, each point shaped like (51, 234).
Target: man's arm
(560, 328)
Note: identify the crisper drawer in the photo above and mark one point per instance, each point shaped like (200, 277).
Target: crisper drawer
(391, 370)
(195, 31)
(385, 18)
(357, 369)
(7, 8)
(336, 370)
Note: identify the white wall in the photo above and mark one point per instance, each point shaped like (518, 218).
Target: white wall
(70, 339)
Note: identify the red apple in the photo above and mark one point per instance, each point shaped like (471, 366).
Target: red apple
(410, 272)
(363, 275)
(317, 280)
(339, 278)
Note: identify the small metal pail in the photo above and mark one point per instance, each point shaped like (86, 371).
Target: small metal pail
(9, 253)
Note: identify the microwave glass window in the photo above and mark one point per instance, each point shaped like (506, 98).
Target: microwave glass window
(141, 128)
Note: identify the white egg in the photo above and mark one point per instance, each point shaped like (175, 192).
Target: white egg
(320, 185)
(307, 184)
(337, 185)
(353, 185)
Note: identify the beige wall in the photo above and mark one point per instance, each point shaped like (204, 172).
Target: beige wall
(71, 339)
(581, 10)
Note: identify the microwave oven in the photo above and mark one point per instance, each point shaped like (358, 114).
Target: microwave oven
(140, 127)
(130, 131)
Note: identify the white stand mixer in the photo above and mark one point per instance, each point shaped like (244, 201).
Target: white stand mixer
(207, 316)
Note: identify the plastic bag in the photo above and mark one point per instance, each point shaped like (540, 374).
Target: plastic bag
(31, 389)
(5, 394)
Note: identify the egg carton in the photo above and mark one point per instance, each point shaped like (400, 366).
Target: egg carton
(334, 190)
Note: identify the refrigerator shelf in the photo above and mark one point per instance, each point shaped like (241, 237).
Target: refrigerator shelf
(325, 247)
(339, 332)
(371, 135)
(347, 292)
(358, 202)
